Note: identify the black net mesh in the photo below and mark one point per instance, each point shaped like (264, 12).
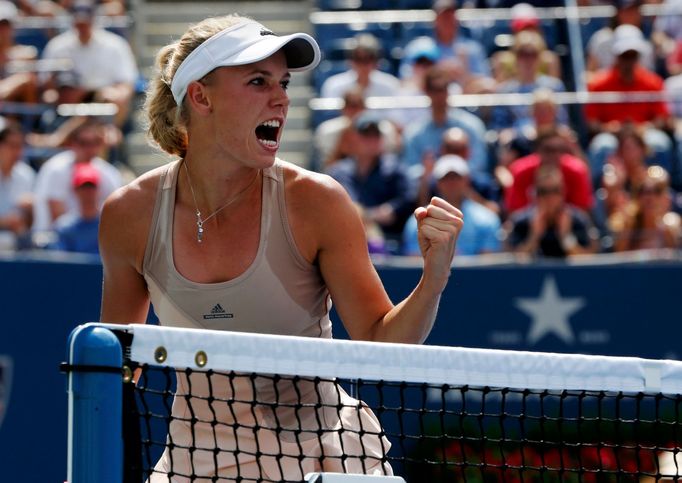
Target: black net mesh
(189, 425)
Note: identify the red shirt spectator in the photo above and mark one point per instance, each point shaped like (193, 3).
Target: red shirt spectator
(551, 149)
(611, 80)
(626, 75)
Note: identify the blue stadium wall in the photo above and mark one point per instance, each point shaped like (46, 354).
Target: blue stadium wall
(614, 309)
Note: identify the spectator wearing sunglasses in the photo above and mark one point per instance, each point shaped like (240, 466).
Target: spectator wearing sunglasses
(551, 149)
(648, 223)
(551, 227)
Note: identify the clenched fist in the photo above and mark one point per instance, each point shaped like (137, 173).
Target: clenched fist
(438, 226)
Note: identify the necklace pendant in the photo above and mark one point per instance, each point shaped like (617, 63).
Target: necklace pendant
(200, 231)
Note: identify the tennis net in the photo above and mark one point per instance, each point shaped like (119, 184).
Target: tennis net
(221, 406)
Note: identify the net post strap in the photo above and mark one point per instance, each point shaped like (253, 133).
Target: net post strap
(303, 356)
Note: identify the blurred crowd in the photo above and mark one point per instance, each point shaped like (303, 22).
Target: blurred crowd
(532, 175)
(66, 88)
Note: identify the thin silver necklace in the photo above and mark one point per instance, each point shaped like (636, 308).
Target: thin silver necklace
(200, 220)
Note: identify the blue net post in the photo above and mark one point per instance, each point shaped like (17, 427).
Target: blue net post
(95, 446)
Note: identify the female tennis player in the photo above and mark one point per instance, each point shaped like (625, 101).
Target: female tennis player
(229, 237)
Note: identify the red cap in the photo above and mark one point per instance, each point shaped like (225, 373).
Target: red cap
(85, 173)
(523, 16)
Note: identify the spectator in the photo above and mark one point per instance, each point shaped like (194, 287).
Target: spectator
(667, 35)
(15, 85)
(627, 76)
(420, 55)
(464, 58)
(551, 149)
(333, 137)
(451, 174)
(550, 227)
(363, 73)
(673, 60)
(612, 198)
(516, 142)
(673, 89)
(482, 190)
(648, 222)
(103, 63)
(77, 232)
(527, 49)
(621, 179)
(16, 187)
(524, 18)
(376, 181)
(54, 195)
(631, 158)
(600, 50)
(423, 137)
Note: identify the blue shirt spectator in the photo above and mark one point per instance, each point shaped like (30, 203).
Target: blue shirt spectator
(481, 227)
(385, 183)
(424, 136)
(465, 56)
(376, 181)
(76, 234)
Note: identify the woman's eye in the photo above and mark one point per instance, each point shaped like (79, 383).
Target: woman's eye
(284, 84)
(258, 81)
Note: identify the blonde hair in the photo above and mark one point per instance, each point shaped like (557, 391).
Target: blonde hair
(167, 122)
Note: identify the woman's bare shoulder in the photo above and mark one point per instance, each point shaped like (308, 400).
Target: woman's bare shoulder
(126, 218)
(310, 187)
(138, 196)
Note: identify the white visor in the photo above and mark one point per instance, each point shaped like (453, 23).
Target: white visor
(244, 43)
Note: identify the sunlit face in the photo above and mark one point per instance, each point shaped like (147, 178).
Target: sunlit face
(11, 148)
(249, 106)
(363, 62)
(632, 152)
(544, 113)
(552, 149)
(88, 143)
(445, 25)
(652, 198)
(438, 92)
(88, 195)
(369, 143)
(549, 194)
(6, 33)
(452, 186)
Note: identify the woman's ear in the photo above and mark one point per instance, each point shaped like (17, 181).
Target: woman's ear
(198, 98)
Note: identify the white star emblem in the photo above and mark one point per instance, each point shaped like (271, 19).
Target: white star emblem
(550, 313)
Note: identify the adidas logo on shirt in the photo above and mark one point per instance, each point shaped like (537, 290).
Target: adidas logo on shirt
(218, 312)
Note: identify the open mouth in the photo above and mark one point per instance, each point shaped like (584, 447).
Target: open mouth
(267, 133)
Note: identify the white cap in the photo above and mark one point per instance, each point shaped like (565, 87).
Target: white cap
(8, 11)
(628, 37)
(241, 44)
(450, 163)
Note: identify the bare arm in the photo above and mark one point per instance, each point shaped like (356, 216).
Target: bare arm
(355, 287)
(125, 298)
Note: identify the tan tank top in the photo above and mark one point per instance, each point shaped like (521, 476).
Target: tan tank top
(280, 293)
